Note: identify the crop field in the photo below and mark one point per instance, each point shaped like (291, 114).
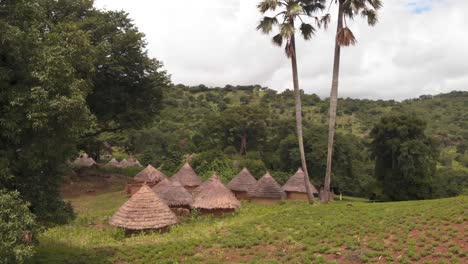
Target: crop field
(348, 231)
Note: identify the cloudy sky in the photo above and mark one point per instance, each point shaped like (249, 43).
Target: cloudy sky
(418, 47)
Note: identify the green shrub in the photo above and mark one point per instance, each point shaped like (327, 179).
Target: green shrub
(15, 220)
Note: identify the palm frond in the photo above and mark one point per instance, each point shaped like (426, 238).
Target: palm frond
(371, 16)
(294, 8)
(311, 7)
(376, 4)
(307, 31)
(266, 24)
(267, 5)
(277, 40)
(288, 49)
(345, 37)
(287, 30)
(325, 21)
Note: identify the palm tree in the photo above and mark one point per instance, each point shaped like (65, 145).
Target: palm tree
(290, 12)
(347, 9)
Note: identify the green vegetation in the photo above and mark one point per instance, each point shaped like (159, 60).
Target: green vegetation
(68, 72)
(405, 158)
(203, 121)
(17, 224)
(352, 230)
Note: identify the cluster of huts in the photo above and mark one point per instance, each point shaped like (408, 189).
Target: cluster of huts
(86, 161)
(157, 201)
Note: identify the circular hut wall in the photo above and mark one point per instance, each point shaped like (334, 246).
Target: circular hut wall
(216, 212)
(181, 210)
(241, 195)
(297, 196)
(265, 201)
(191, 188)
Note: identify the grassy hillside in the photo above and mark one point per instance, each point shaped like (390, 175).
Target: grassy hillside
(349, 231)
(445, 114)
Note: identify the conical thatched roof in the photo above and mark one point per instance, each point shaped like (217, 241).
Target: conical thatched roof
(296, 183)
(176, 195)
(204, 184)
(267, 187)
(149, 174)
(144, 210)
(113, 162)
(124, 163)
(85, 161)
(214, 195)
(242, 182)
(134, 162)
(187, 176)
(161, 186)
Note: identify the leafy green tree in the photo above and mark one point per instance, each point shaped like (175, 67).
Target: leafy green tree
(43, 108)
(405, 158)
(68, 72)
(17, 229)
(291, 12)
(347, 9)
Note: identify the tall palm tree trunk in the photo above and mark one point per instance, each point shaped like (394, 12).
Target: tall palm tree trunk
(326, 196)
(297, 99)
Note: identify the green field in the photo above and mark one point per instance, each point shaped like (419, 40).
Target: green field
(348, 231)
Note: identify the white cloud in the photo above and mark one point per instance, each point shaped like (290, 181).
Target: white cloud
(418, 47)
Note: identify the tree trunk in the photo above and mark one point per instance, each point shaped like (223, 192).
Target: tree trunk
(243, 147)
(333, 103)
(297, 99)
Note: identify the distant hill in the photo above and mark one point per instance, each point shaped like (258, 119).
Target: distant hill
(446, 114)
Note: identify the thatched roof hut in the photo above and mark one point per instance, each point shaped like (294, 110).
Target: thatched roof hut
(134, 162)
(149, 174)
(266, 191)
(84, 161)
(197, 190)
(215, 198)
(113, 162)
(187, 177)
(124, 163)
(241, 184)
(295, 188)
(162, 185)
(144, 211)
(177, 197)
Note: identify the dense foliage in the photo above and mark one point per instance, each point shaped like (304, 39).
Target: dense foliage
(210, 123)
(67, 73)
(17, 228)
(405, 158)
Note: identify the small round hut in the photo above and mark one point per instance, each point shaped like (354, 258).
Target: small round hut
(214, 198)
(241, 184)
(187, 177)
(144, 211)
(162, 185)
(197, 190)
(266, 191)
(134, 162)
(113, 162)
(84, 161)
(150, 175)
(124, 163)
(295, 188)
(176, 197)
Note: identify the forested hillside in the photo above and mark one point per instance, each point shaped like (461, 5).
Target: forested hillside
(235, 126)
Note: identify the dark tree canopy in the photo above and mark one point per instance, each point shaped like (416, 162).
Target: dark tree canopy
(67, 71)
(405, 158)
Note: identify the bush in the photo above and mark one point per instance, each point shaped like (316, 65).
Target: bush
(449, 182)
(15, 220)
